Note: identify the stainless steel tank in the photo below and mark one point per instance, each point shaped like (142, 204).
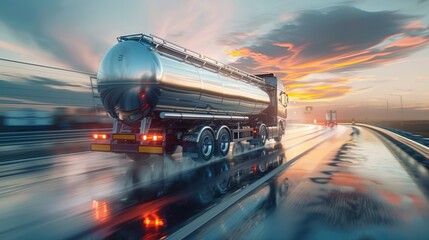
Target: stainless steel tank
(135, 80)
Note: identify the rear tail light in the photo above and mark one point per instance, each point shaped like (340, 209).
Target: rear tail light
(97, 136)
(151, 137)
(255, 131)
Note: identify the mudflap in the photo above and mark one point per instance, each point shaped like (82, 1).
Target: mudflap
(190, 149)
(189, 145)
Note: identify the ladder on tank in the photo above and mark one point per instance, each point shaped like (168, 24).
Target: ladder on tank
(96, 98)
(179, 53)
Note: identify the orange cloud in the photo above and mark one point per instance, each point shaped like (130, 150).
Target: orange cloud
(317, 43)
(414, 25)
(409, 42)
(315, 90)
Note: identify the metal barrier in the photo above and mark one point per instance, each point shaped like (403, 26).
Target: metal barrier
(419, 148)
(34, 137)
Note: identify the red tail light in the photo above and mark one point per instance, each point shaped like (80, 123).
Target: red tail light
(151, 137)
(100, 136)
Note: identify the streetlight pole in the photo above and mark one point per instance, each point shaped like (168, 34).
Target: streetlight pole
(402, 107)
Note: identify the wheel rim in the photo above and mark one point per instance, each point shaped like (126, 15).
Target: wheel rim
(224, 142)
(263, 134)
(207, 146)
(262, 167)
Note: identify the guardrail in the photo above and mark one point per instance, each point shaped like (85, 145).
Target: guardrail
(419, 148)
(32, 137)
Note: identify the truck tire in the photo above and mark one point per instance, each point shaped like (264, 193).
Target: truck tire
(279, 138)
(206, 145)
(281, 132)
(263, 134)
(223, 143)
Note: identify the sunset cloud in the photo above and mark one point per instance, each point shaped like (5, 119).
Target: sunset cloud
(314, 88)
(334, 40)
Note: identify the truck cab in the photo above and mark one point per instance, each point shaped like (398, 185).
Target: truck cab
(276, 112)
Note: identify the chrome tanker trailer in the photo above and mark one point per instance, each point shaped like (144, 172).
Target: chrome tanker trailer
(162, 96)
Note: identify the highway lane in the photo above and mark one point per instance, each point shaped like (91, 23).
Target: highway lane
(244, 170)
(350, 187)
(41, 194)
(347, 187)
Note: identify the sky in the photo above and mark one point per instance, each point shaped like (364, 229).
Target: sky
(357, 57)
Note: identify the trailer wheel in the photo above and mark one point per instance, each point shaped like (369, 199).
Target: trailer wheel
(279, 138)
(205, 145)
(263, 134)
(281, 132)
(223, 142)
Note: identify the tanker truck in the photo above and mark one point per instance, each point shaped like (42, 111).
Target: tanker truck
(162, 96)
(331, 118)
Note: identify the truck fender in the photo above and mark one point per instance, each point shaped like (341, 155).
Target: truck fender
(219, 129)
(200, 131)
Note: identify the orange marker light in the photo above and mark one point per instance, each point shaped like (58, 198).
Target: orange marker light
(95, 136)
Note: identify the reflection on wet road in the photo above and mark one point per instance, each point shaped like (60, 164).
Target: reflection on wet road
(351, 187)
(348, 186)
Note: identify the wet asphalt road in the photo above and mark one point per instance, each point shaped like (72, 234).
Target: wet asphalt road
(348, 187)
(351, 187)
